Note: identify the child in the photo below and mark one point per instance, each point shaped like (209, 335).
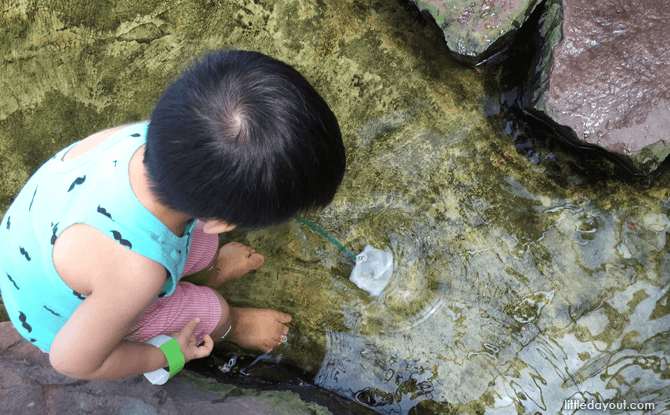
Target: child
(94, 245)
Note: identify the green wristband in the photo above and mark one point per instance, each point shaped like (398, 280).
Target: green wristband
(172, 351)
(174, 356)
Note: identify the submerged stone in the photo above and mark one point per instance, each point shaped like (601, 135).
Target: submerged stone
(601, 76)
(476, 30)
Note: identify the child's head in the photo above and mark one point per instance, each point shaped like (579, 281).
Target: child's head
(245, 139)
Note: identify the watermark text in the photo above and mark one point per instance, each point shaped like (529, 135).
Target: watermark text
(606, 406)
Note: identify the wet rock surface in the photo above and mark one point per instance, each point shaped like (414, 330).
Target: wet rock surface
(29, 385)
(604, 81)
(477, 29)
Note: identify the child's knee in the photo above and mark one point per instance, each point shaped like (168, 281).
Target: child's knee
(224, 321)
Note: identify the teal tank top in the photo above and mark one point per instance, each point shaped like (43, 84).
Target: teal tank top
(93, 189)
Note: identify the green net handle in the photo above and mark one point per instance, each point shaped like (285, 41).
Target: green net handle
(329, 238)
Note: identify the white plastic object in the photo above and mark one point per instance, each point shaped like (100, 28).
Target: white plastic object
(373, 270)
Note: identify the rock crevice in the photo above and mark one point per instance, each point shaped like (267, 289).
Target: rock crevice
(599, 76)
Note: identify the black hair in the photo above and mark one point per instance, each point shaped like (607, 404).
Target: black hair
(244, 138)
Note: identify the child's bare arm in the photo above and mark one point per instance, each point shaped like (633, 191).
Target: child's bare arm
(122, 361)
(123, 284)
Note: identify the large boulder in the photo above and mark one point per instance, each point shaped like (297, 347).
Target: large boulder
(602, 77)
(476, 30)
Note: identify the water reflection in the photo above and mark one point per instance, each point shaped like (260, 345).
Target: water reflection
(511, 294)
(494, 322)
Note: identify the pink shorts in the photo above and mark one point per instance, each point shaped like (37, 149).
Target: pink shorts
(170, 314)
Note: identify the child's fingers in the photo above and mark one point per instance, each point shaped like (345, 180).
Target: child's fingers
(205, 349)
(191, 327)
(209, 342)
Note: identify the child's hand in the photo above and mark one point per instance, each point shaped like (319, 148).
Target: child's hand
(188, 344)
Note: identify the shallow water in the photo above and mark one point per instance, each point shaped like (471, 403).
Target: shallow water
(527, 273)
(504, 299)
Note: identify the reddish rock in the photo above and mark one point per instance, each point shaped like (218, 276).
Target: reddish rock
(607, 79)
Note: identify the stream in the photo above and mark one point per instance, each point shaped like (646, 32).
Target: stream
(528, 272)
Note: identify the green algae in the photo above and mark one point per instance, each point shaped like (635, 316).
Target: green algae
(476, 31)
(278, 402)
(515, 279)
